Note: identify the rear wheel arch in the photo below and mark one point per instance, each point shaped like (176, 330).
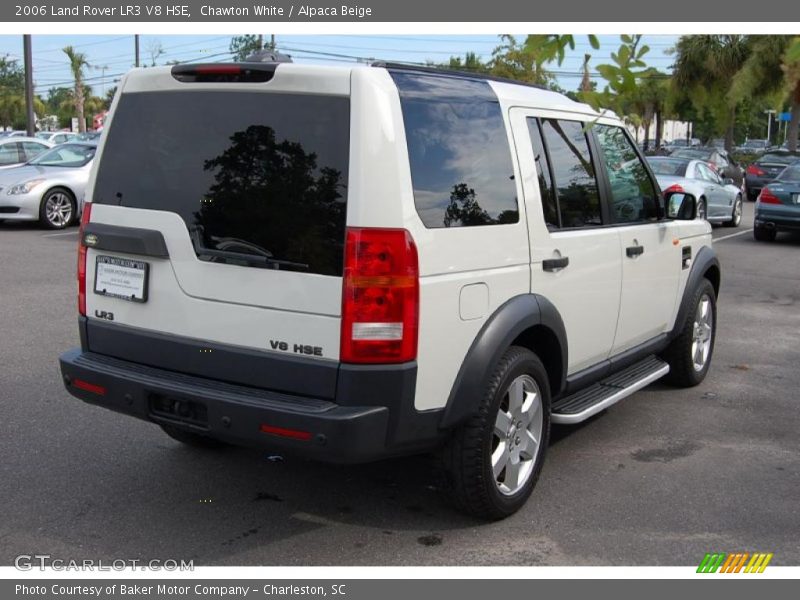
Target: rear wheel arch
(528, 320)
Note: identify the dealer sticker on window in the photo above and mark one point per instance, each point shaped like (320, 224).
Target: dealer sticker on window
(121, 278)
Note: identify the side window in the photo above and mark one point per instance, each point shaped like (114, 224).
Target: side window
(32, 149)
(698, 172)
(458, 151)
(548, 193)
(576, 185)
(633, 195)
(9, 154)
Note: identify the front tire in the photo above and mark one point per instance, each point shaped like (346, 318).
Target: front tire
(689, 354)
(493, 460)
(57, 209)
(701, 209)
(736, 214)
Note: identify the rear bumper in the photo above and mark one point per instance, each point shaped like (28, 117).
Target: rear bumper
(247, 416)
(788, 220)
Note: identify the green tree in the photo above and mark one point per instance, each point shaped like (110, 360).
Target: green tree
(520, 61)
(12, 93)
(772, 72)
(243, 46)
(705, 67)
(77, 62)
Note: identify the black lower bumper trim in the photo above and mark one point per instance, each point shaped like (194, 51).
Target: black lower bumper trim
(236, 414)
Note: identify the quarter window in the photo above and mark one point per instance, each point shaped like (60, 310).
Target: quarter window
(458, 150)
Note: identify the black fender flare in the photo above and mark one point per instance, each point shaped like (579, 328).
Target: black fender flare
(703, 260)
(510, 320)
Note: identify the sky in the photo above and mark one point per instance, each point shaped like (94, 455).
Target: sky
(109, 56)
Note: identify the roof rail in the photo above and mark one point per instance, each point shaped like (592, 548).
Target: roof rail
(455, 73)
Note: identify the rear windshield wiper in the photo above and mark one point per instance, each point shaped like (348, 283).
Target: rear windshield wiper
(251, 259)
(260, 257)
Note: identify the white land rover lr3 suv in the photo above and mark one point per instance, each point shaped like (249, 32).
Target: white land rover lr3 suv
(351, 263)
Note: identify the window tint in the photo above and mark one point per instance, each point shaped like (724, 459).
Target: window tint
(576, 185)
(256, 174)
(549, 204)
(458, 151)
(633, 195)
(9, 154)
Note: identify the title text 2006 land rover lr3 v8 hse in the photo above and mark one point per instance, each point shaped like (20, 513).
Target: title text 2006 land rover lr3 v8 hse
(359, 262)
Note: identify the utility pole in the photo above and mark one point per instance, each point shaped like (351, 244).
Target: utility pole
(136, 46)
(272, 42)
(102, 70)
(26, 46)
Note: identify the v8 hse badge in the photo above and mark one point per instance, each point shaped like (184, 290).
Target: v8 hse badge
(296, 348)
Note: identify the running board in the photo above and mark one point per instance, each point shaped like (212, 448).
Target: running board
(591, 400)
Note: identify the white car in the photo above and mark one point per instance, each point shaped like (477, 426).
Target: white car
(50, 188)
(356, 262)
(718, 200)
(15, 151)
(57, 137)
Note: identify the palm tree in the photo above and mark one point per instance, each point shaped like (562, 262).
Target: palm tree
(772, 68)
(705, 66)
(77, 62)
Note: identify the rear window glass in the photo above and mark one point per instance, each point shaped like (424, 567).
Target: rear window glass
(260, 179)
(668, 166)
(458, 150)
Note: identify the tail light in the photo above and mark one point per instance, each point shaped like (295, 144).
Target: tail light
(380, 301)
(754, 170)
(678, 189)
(85, 217)
(767, 197)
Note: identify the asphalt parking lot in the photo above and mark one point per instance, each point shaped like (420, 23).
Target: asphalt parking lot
(660, 479)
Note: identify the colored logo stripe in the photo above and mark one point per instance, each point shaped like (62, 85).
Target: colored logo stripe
(734, 562)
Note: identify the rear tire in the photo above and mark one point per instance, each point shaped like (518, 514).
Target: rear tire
(736, 214)
(57, 209)
(689, 354)
(492, 461)
(194, 440)
(762, 234)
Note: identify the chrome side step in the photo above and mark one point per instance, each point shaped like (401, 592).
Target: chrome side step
(588, 402)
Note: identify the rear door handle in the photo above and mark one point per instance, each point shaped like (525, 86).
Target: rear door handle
(634, 251)
(554, 264)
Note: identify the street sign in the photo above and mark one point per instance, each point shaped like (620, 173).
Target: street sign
(787, 116)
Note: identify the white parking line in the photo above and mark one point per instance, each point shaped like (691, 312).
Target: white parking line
(727, 237)
(60, 234)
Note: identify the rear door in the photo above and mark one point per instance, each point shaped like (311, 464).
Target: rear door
(575, 258)
(247, 183)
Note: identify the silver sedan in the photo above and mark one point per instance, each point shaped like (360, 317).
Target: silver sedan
(718, 199)
(49, 188)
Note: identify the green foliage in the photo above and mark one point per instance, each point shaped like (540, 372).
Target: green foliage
(243, 46)
(12, 94)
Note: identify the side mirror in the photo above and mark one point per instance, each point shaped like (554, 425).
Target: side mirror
(681, 206)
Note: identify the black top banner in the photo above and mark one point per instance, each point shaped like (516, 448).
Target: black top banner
(497, 11)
